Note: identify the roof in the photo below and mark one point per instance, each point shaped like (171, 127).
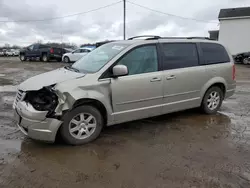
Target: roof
(234, 13)
(86, 48)
(167, 40)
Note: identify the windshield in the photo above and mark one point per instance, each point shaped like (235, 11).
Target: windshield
(96, 59)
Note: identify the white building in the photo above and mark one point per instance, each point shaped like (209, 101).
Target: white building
(235, 29)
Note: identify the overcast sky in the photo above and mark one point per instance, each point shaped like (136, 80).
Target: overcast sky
(106, 23)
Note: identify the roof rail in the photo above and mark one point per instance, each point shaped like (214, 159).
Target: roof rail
(205, 38)
(149, 37)
(152, 37)
(173, 37)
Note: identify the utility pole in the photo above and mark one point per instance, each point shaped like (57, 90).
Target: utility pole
(124, 20)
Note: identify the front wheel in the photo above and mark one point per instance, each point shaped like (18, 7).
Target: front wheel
(22, 57)
(81, 125)
(212, 100)
(45, 58)
(246, 61)
(66, 59)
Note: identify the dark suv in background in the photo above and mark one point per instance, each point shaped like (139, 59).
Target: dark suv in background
(43, 52)
(242, 58)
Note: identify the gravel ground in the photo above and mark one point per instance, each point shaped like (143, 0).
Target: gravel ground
(185, 149)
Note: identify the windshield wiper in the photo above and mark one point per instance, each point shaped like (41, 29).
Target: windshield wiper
(71, 68)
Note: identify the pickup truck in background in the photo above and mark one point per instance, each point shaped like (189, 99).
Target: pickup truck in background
(242, 58)
(43, 52)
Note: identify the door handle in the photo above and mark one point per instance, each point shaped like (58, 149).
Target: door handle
(156, 79)
(171, 77)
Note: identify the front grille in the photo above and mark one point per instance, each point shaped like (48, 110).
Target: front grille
(19, 97)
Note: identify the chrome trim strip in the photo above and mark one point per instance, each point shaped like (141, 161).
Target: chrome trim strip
(156, 106)
(141, 100)
(187, 100)
(137, 109)
(184, 93)
(42, 130)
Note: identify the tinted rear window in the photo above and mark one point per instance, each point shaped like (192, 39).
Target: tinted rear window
(180, 55)
(214, 53)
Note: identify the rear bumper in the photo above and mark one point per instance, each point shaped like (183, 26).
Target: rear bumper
(34, 124)
(230, 92)
(55, 56)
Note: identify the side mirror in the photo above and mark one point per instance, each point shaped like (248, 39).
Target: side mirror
(120, 70)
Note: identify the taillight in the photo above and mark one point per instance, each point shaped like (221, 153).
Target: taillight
(234, 72)
(51, 50)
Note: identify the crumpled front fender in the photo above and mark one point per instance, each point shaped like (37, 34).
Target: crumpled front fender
(67, 99)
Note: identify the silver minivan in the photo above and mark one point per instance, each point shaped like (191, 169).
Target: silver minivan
(124, 81)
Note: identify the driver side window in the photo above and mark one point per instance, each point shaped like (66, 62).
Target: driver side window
(84, 51)
(77, 51)
(141, 60)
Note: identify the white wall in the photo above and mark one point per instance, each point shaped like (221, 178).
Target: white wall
(235, 34)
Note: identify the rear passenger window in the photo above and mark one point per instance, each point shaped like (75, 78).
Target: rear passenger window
(180, 55)
(214, 53)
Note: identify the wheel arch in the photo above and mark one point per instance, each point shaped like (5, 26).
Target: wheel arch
(66, 56)
(95, 103)
(43, 53)
(219, 82)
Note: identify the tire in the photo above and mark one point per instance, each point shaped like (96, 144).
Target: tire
(245, 61)
(58, 60)
(215, 102)
(22, 57)
(75, 122)
(45, 58)
(66, 59)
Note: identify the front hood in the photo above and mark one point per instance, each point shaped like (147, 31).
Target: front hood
(49, 78)
(66, 54)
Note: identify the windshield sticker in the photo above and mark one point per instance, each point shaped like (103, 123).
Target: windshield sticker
(117, 47)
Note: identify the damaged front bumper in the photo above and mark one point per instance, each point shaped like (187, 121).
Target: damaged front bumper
(34, 123)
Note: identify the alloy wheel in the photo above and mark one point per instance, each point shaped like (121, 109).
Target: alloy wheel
(82, 126)
(213, 100)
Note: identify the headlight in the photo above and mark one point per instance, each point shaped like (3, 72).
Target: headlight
(44, 99)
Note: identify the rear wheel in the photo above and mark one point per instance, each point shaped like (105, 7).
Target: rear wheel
(212, 100)
(66, 59)
(22, 57)
(82, 125)
(45, 58)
